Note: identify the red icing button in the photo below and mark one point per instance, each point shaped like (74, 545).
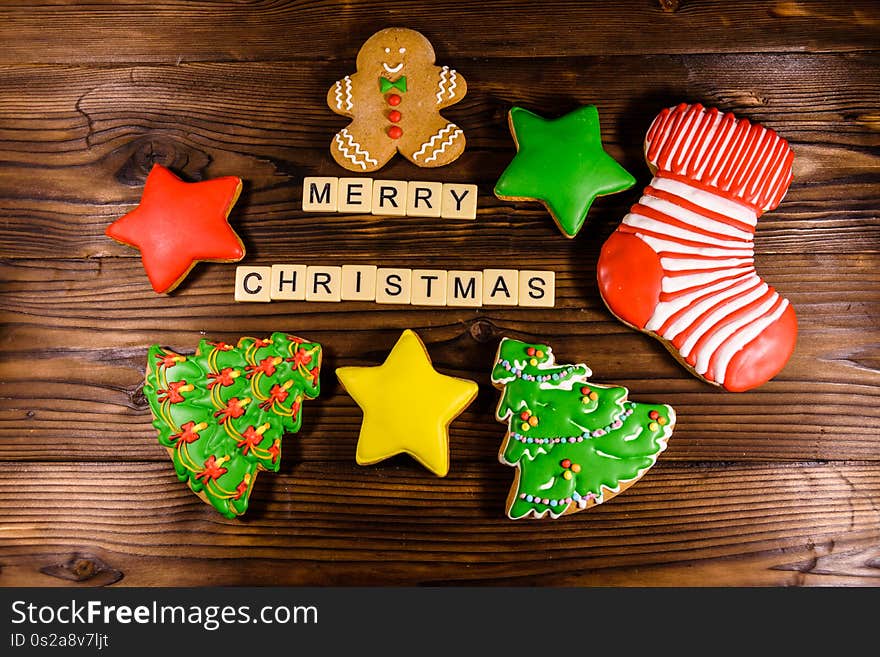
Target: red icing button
(394, 116)
(395, 132)
(393, 100)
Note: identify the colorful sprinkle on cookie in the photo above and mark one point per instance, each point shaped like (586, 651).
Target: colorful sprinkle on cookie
(574, 444)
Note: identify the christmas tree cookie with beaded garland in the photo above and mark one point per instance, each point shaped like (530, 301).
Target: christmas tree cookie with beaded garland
(221, 412)
(574, 444)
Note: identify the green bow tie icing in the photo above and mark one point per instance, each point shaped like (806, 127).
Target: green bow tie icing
(221, 412)
(387, 85)
(575, 444)
(561, 163)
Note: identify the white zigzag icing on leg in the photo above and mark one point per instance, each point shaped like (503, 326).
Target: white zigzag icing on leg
(456, 133)
(430, 143)
(344, 133)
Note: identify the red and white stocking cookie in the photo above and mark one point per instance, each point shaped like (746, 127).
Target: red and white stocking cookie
(395, 98)
(680, 266)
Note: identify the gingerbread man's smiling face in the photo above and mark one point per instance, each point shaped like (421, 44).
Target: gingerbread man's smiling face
(392, 52)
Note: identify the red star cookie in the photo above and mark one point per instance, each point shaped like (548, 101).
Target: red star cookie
(178, 224)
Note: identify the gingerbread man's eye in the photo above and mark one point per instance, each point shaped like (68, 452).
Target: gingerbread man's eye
(387, 50)
(402, 50)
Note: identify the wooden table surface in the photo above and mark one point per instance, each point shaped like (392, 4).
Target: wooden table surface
(779, 486)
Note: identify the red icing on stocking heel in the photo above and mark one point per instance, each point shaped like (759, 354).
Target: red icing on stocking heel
(692, 231)
(629, 279)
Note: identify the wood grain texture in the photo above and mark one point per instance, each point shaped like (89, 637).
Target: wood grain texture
(331, 523)
(76, 334)
(178, 30)
(777, 486)
(66, 126)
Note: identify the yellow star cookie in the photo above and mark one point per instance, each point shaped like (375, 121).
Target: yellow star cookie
(407, 406)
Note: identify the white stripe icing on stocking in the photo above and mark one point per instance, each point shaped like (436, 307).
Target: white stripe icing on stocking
(741, 339)
(707, 263)
(719, 314)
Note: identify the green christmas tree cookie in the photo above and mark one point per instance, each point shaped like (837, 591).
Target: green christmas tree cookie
(221, 412)
(574, 444)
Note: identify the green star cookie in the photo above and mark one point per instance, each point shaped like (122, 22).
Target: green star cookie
(561, 163)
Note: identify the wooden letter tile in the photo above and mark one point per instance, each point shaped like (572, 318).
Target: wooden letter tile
(252, 283)
(320, 194)
(428, 287)
(355, 195)
(464, 288)
(500, 287)
(323, 283)
(359, 282)
(424, 199)
(459, 201)
(537, 289)
(393, 285)
(389, 197)
(288, 283)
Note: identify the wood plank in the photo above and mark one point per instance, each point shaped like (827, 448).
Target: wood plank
(76, 144)
(771, 524)
(72, 360)
(176, 30)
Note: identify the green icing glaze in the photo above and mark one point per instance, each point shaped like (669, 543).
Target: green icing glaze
(221, 413)
(561, 163)
(574, 443)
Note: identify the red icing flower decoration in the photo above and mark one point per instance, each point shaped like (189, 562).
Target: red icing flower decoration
(212, 471)
(249, 439)
(266, 366)
(221, 346)
(168, 359)
(241, 489)
(189, 432)
(275, 450)
(277, 394)
(178, 224)
(301, 357)
(314, 372)
(173, 393)
(234, 409)
(224, 377)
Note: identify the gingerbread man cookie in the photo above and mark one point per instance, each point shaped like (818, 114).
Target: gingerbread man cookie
(394, 99)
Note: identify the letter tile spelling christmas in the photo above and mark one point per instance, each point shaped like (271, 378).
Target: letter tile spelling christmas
(221, 413)
(574, 444)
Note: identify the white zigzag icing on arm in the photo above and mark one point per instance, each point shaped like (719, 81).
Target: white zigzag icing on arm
(430, 143)
(344, 133)
(348, 102)
(443, 146)
(452, 83)
(442, 83)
